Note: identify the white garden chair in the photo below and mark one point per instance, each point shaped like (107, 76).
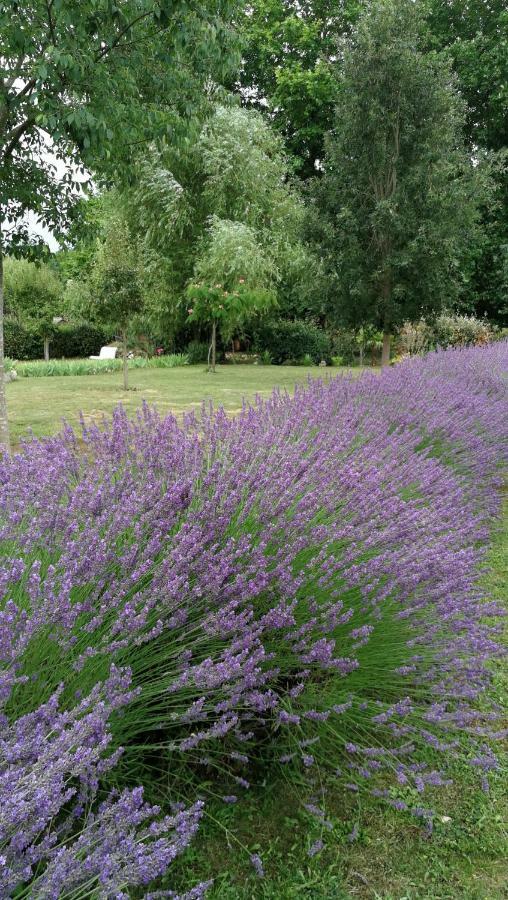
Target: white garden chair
(106, 353)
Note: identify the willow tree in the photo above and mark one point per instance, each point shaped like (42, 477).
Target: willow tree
(398, 201)
(235, 172)
(93, 81)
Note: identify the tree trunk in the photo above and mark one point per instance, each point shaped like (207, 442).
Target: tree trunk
(385, 355)
(46, 349)
(386, 294)
(124, 358)
(4, 424)
(213, 347)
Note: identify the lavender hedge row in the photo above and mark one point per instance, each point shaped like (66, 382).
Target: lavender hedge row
(185, 607)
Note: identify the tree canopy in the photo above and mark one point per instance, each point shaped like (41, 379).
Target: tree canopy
(287, 69)
(87, 85)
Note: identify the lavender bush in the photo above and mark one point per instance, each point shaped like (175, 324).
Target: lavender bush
(184, 605)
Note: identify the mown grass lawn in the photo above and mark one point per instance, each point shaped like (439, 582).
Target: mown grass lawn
(42, 403)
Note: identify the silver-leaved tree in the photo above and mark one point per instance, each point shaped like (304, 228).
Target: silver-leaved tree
(220, 215)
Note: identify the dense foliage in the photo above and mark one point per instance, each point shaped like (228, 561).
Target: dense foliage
(295, 587)
(32, 293)
(221, 207)
(116, 296)
(445, 331)
(287, 69)
(290, 70)
(85, 85)
(292, 341)
(474, 36)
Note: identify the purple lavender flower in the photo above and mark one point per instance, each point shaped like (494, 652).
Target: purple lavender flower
(316, 847)
(294, 577)
(258, 865)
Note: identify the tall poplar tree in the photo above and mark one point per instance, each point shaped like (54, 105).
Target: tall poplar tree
(398, 201)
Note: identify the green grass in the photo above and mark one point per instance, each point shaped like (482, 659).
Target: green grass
(42, 403)
(466, 858)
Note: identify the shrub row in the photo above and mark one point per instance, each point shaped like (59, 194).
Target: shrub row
(448, 330)
(38, 368)
(67, 341)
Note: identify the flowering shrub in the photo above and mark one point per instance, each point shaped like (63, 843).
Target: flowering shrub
(414, 338)
(448, 330)
(455, 330)
(295, 586)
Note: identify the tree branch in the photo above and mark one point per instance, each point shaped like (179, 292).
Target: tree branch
(15, 137)
(15, 72)
(109, 47)
(49, 4)
(28, 87)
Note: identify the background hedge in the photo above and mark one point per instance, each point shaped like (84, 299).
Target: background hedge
(67, 342)
(291, 341)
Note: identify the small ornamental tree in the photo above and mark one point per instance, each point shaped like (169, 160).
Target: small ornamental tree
(115, 291)
(33, 295)
(397, 206)
(233, 282)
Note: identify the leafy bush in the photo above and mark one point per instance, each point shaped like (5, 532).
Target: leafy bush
(500, 334)
(22, 342)
(345, 346)
(460, 331)
(414, 338)
(293, 589)
(197, 352)
(78, 341)
(33, 291)
(41, 369)
(292, 341)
